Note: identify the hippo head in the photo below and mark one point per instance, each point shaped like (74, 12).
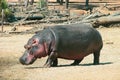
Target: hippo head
(33, 49)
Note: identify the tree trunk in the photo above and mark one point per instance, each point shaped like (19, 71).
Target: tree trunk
(2, 20)
(32, 1)
(87, 3)
(26, 3)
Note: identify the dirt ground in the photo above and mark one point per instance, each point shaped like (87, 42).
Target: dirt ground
(11, 48)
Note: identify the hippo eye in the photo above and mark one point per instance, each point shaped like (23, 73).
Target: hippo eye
(31, 53)
(34, 48)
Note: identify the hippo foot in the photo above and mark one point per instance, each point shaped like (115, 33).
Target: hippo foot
(95, 63)
(46, 66)
(74, 64)
(54, 65)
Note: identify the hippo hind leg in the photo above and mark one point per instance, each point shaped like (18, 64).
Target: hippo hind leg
(76, 62)
(96, 57)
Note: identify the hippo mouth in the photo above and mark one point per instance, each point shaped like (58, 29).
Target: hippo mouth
(31, 61)
(28, 60)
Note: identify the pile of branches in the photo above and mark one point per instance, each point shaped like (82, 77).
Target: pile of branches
(96, 19)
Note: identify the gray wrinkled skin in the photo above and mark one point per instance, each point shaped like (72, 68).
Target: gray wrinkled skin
(72, 42)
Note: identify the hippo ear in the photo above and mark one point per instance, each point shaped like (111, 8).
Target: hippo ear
(37, 32)
(35, 41)
(27, 46)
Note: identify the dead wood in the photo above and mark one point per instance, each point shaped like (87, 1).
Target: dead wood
(2, 21)
(115, 7)
(108, 20)
(48, 21)
(31, 18)
(101, 19)
(15, 4)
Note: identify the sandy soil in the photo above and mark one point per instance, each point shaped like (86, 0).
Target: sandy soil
(11, 48)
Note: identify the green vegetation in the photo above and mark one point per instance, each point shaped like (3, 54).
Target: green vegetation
(3, 4)
(7, 12)
(42, 4)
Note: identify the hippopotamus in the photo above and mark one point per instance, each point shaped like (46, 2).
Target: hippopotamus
(72, 42)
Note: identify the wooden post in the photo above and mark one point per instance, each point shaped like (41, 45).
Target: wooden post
(87, 5)
(43, 4)
(47, 4)
(66, 4)
(26, 2)
(61, 2)
(2, 20)
(32, 1)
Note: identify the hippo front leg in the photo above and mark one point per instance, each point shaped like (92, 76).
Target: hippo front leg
(55, 62)
(52, 60)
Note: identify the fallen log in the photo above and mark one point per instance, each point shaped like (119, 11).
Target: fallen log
(31, 18)
(115, 7)
(15, 4)
(107, 20)
(96, 19)
(27, 22)
(14, 32)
